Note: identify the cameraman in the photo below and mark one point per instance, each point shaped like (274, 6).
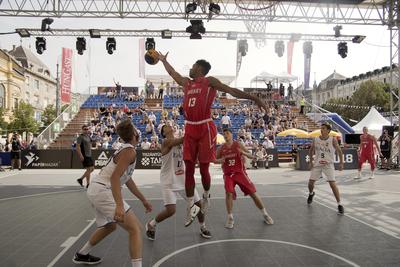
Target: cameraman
(15, 151)
(385, 145)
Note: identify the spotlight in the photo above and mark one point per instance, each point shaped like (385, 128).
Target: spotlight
(214, 8)
(94, 33)
(150, 44)
(166, 34)
(279, 48)
(80, 45)
(342, 49)
(40, 45)
(111, 45)
(46, 24)
(195, 29)
(243, 47)
(337, 29)
(190, 8)
(358, 39)
(23, 32)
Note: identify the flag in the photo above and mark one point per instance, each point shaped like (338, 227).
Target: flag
(142, 73)
(290, 47)
(66, 75)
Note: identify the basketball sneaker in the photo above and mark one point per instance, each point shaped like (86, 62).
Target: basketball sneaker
(150, 231)
(310, 198)
(268, 219)
(372, 175)
(205, 204)
(340, 210)
(229, 223)
(86, 259)
(358, 176)
(204, 232)
(191, 214)
(80, 181)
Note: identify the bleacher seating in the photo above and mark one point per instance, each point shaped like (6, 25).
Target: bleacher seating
(96, 101)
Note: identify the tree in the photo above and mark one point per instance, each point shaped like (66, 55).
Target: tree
(48, 115)
(371, 93)
(3, 123)
(23, 120)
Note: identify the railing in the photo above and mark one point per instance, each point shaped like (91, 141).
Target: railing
(53, 129)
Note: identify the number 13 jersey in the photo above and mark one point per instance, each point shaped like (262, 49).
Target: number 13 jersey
(198, 99)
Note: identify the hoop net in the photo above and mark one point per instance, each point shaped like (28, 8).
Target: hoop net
(257, 13)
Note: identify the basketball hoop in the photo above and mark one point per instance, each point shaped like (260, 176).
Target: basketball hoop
(257, 13)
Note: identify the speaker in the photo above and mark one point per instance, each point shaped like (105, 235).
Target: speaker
(352, 139)
(390, 130)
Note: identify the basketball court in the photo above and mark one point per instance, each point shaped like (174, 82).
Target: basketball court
(46, 217)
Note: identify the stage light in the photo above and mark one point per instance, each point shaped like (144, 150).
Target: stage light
(40, 45)
(358, 39)
(190, 8)
(150, 44)
(111, 45)
(166, 34)
(94, 33)
(342, 49)
(214, 8)
(23, 33)
(337, 29)
(80, 45)
(46, 24)
(196, 29)
(243, 47)
(279, 48)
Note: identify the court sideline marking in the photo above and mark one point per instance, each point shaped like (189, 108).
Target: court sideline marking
(42, 194)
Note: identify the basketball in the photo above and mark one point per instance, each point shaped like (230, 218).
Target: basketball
(151, 57)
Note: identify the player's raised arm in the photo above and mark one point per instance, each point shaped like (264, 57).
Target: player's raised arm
(245, 152)
(171, 71)
(218, 85)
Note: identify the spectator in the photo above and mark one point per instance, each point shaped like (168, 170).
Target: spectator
(302, 104)
(16, 151)
(268, 144)
(226, 121)
(145, 145)
(290, 91)
(247, 123)
(161, 88)
(385, 145)
(167, 89)
(153, 118)
(151, 90)
(281, 91)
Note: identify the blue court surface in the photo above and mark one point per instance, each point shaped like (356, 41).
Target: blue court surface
(46, 217)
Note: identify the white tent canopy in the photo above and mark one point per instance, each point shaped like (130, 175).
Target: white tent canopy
(283, 77)
(373, 121)
(264, 77)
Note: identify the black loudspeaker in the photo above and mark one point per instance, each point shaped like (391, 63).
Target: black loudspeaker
(352, 139)
(390, 130)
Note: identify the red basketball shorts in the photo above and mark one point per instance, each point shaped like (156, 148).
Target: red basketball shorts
(242, 180)
(199, 142)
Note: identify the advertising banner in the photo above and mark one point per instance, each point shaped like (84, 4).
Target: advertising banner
(66, 75)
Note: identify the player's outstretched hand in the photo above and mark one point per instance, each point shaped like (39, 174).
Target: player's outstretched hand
(147, 206)
(261, 105)
(162, 57)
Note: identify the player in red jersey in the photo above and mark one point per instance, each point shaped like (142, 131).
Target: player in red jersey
(366, 152)
(231, 155)
(200, 131)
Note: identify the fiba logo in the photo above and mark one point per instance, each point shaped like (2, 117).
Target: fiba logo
(145, 161)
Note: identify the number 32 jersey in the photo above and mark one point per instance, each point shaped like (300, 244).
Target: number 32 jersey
(233, 162)
(198, 99)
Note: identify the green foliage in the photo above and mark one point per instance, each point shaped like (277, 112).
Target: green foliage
(48, 115)
(23, 120)
(3, 123)
(371, 93)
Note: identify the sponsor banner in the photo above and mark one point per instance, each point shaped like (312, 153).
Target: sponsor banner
(273, 160)
(100, 158)
(290, 47)
(350, 158)
(46, 159)
(148, 159)
(66, 75)
(5, 158)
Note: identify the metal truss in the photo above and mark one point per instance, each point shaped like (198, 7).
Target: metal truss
(370, 12)
(184, 34)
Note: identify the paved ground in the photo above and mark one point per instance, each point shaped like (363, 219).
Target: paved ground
(46, 217)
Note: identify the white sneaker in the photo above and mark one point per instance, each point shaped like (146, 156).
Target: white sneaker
(268, 219)
(372, 175)
(191, 213)
(229, 223)
(205, 205)
(358, 176)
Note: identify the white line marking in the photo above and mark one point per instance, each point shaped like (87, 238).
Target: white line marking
(239, 197)
(162, 260)
(69, 243)
(360, 221)
(42, 194)
(9, 175)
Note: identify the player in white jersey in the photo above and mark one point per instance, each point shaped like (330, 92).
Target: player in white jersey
(172, 179)
(324, 148)
(105, 195)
